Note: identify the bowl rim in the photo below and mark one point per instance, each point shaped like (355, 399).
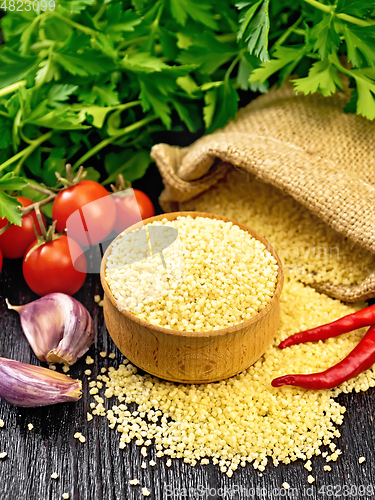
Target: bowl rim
(183, 333)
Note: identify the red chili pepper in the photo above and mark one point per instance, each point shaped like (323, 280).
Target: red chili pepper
(359, 319)
(361, 358)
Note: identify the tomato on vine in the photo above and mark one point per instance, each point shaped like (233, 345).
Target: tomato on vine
(58, 265)
(131, 205)
(97, 219)
(15, 241)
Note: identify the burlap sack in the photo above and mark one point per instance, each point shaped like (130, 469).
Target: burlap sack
(306, 146)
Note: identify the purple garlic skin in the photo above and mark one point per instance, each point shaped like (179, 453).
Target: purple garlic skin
(58, 327)
(27, 385)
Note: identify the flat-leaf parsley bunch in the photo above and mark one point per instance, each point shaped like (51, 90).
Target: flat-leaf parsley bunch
(89, 73)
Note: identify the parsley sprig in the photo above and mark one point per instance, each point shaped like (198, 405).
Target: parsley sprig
(91, 74)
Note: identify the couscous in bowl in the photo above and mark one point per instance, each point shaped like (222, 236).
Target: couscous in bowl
(192, 356)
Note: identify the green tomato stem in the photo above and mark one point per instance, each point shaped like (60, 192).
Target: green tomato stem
(107, 141)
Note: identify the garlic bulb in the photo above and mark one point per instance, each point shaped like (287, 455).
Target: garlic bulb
(58, 327)
(27, 385)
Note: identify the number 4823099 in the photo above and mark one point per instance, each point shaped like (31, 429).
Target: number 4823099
(27, 5)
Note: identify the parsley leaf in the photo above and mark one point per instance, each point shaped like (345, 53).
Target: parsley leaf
(9, 209)
(326, 38)
(285, 58)
(207, 53)
(357, 8)
(76, 6)
(254, 28)
(128, 163)
(323, 76)
(197, 10)
(120, 20)
(10, 183)
(215, 115)
(60, 93)
(360, 42)
(8, 204)
(364, 79)
(178, 63)
(14, 66)
(152, 98)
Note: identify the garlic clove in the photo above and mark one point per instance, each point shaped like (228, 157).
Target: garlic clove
(58, 328)
(27, 385)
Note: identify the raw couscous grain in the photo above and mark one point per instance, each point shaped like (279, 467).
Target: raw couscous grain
(259, 422)
(309, 249)
(226, 276)
(244, 419)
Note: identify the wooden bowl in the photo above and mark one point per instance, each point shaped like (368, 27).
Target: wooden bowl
(192, 357)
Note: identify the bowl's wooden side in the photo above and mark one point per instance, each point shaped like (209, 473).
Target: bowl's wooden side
(191, 359)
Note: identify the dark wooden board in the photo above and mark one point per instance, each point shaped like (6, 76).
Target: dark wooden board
(98, 469)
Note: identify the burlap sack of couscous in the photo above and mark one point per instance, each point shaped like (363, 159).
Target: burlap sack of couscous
(305, 146)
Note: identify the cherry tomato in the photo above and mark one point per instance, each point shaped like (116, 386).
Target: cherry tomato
(90, 224)
(17, 239)
(56, 266)
(129, 208)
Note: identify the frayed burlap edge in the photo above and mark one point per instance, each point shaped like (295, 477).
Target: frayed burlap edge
(341, 199)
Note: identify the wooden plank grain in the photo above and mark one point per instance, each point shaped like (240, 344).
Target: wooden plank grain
(98, 469)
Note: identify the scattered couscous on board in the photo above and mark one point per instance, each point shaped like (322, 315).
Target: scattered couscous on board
(244, 419)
